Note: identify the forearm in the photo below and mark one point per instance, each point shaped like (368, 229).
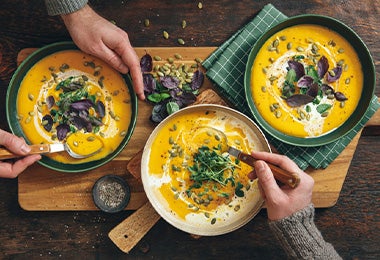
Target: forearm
(58, 7)
(300, 238)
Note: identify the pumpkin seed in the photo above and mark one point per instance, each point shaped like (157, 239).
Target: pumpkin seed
(276, 43)
(283, 38)
(289, 45)
(199, 60)
(31, 113)
(123, 133)
(90, 138)
(237, 142)
(271, 59)
(263, 89)
(265, 70)
(181, 41)
(166, 35)
(332, 73)
(324, 114)
(342, 104)
(309, 40)
(340, 63)
(300, 49)
(278, 113)
(340, 50)
(272, 78)
(157, 58)
(30, 97)
(213, 221)
(200, 5)
(207, 215)
(178, 56)
(146, 22)
(170, 60)
(28, 119)
(75, 143)
(236, 208)
(347, 81)
(183, 24)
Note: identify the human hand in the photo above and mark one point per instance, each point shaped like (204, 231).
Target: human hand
(281, 201)
(18, 146)
(95, 35)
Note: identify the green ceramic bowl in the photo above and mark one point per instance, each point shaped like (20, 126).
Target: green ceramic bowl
(11, 109)
(368, 84)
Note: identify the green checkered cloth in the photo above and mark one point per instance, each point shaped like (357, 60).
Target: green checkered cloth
(226, 67)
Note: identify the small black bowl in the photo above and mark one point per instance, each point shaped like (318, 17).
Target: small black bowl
(111, 193)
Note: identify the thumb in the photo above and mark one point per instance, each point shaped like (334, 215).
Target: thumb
(13, 143)
(267, 181)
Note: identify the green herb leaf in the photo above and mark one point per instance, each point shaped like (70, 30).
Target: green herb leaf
(172, 107)
(321, 108)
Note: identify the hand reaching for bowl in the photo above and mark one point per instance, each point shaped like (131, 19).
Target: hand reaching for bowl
(282, 201)
(97, 36)
(18, 146)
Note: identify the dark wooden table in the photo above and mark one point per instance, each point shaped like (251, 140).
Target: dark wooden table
(352, 225)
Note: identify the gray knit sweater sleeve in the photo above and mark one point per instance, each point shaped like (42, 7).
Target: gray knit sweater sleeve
(300, 238)
(56, 7)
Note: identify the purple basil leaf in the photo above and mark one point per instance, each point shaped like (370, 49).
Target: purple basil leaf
(299, 100)
(83, 104)
(149, 83)
(340, 96)
(169, 82)
(89, 127)
(49, 124)
(197, 80)
(298, 68)
(50, 102)
(146, 63)
(337, 71)
(323, 66)
(100, 108)
(79, 122)
(305, 81)
(313, 90)
(186, 99)
(62, 131)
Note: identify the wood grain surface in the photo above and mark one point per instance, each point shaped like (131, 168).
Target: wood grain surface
(351, 225)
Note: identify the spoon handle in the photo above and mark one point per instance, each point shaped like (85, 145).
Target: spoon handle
(291, 179)
(35, 149)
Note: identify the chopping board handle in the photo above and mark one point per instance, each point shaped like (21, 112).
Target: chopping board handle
(129, 232)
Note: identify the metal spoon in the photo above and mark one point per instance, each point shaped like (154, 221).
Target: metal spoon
(46, 148)
(290, 179)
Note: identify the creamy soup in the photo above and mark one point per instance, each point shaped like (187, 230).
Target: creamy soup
(306, 80)
(73, 97)
(194, 177)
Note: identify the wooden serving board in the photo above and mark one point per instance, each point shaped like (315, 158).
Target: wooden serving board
(42, 189)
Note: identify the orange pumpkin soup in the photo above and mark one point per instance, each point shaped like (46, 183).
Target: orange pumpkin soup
(73, 97)
(306, 80)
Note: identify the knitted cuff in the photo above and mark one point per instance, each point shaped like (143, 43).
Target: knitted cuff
(300, 238)
(57, 7)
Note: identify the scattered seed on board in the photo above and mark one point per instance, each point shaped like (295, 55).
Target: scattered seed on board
(157, 58)
(183, 24)
(146, 22)
(181, 41)
(166, 35)
(200, 5)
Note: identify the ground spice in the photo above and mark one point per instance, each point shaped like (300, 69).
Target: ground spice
(112, 194)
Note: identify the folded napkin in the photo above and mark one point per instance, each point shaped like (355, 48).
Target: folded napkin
(226, 67)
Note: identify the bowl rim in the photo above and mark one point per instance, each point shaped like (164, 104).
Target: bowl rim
(368, 82)
(16, 129)
(158, 206)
